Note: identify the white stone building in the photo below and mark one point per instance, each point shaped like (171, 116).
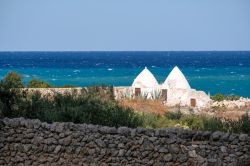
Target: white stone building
(145, 80)
(145, 85)
(174, 91)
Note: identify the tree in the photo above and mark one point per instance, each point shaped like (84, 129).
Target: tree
(13, 80)
(38, 84)
(10, 92)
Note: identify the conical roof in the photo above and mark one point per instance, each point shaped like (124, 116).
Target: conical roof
(145, 80)
(176, 80)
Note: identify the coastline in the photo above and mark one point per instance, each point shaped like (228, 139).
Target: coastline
(222, 72)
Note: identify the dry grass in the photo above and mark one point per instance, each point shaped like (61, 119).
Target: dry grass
(233, 114)
(156, 106)
(147, 106)
(226, 113)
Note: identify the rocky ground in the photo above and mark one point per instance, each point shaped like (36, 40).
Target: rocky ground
(235, 104)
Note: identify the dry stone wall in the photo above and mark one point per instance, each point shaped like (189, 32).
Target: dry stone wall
(31, 142)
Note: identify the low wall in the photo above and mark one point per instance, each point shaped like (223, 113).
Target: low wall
(31, 142)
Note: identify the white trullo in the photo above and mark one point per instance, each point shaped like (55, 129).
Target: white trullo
(145, 80)
(176, 80)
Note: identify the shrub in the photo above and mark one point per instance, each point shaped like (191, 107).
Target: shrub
(196, 122)
(218, 97)
(38, 84)
(92, 108)
(12, 80)
(153, 120)
(232, 97)
(163, 123)
(173, 115)
(245, 121)
(68, 86)
(193, 122)
(94, 105)
(10, 93)
(149, 120)
(212, 123)
(221, 97)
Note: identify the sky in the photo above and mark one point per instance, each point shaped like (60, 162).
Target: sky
(124, 25)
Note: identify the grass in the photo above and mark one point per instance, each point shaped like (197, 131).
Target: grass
(197, 122)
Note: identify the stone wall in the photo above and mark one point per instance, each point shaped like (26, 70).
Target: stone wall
(31, 142)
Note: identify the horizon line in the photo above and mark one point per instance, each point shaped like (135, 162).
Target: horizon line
(133, 51)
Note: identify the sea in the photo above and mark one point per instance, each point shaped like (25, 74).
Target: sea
(226, 72)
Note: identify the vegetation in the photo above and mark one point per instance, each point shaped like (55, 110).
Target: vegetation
(68, 86)
(197, 122)
(94, 105)
(97, 105)
(146, 106)
(221, 97)
(38, 84)
(12, 80)
(10, 93)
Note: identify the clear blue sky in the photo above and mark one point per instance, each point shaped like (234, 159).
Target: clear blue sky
(94, 25)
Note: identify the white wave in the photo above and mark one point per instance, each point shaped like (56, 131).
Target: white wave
(26, 75)
(76, 71)
(109, 69)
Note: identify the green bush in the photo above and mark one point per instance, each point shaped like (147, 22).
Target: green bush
(173, 115)
(221, 97)
(212, 124)
(38, 84)
(94, 105)
(218, 97)
(12, 80)
(67, 86)
(10, 93)
(193, 122)
(245, 123)
(152, 120)
(149, 120)
(196, 122)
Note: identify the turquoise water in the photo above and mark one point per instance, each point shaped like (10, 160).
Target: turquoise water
(214, 72)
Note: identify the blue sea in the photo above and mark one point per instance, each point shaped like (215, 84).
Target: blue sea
(212, 72)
